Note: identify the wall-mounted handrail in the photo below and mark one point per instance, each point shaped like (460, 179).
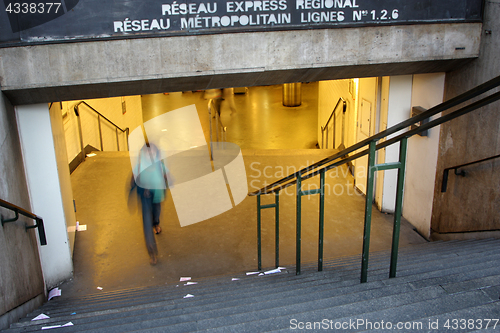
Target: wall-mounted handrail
(462, 173)
(326, 128)
(18, 210)
(369, 147)
(99, 116)
(218, 123)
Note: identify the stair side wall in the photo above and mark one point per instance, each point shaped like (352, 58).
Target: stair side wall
(471, 203)
(21, 279)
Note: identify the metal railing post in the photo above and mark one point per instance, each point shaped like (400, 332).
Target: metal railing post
(259, 239)
(217, 126)
(80, 131)
(210, 103)
(298, 229)
(321, 219)
(100, 132)
(277, 228)
(370, 173)
(126, 138)
(399, 206)
(334, 128)
(322, 138)
(260, 207)
(117, 140)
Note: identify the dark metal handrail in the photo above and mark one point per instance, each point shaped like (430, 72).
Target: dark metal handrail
(19, 210)
(493, 83)
(446, 171)
(321, 167)
(99, 116)
(325, 128)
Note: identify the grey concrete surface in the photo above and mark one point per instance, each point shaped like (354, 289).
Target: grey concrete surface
(48, 73)
(436, 281)
(21, 277)
(471, 203)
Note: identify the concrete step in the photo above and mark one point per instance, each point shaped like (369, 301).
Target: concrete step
(317, 282)
(429, 275)
(474, 319)
(374, 268)
(354, 260)
(321, 283)
(353, 313)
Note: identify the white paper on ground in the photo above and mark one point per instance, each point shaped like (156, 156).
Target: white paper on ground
(100, 288)
(57, 326)
(54, 292)
(50, 327)
(188, 296)
(235, 279)
(190, 283)
(81, 227)
(252, 273)
(40, 316)
(273, 271)
(186, 278)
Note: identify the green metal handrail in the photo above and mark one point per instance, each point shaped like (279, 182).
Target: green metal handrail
(402, 125)
(340, 158)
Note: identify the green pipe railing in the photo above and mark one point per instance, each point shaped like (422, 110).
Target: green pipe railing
(343, 157)
(260, 207)
(493, 83)
(372, 168)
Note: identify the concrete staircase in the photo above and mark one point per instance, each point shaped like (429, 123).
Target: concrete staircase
(436, 283)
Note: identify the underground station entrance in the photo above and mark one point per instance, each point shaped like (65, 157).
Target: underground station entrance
(110, 250)
(280, 69)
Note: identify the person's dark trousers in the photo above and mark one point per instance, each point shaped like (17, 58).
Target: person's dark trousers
(150, 217)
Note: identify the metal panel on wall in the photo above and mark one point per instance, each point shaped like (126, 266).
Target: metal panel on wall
(26, 21)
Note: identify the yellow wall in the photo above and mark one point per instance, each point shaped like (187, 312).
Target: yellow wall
(111, 108)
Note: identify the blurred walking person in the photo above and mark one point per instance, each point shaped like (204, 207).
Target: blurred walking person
(149, 178)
